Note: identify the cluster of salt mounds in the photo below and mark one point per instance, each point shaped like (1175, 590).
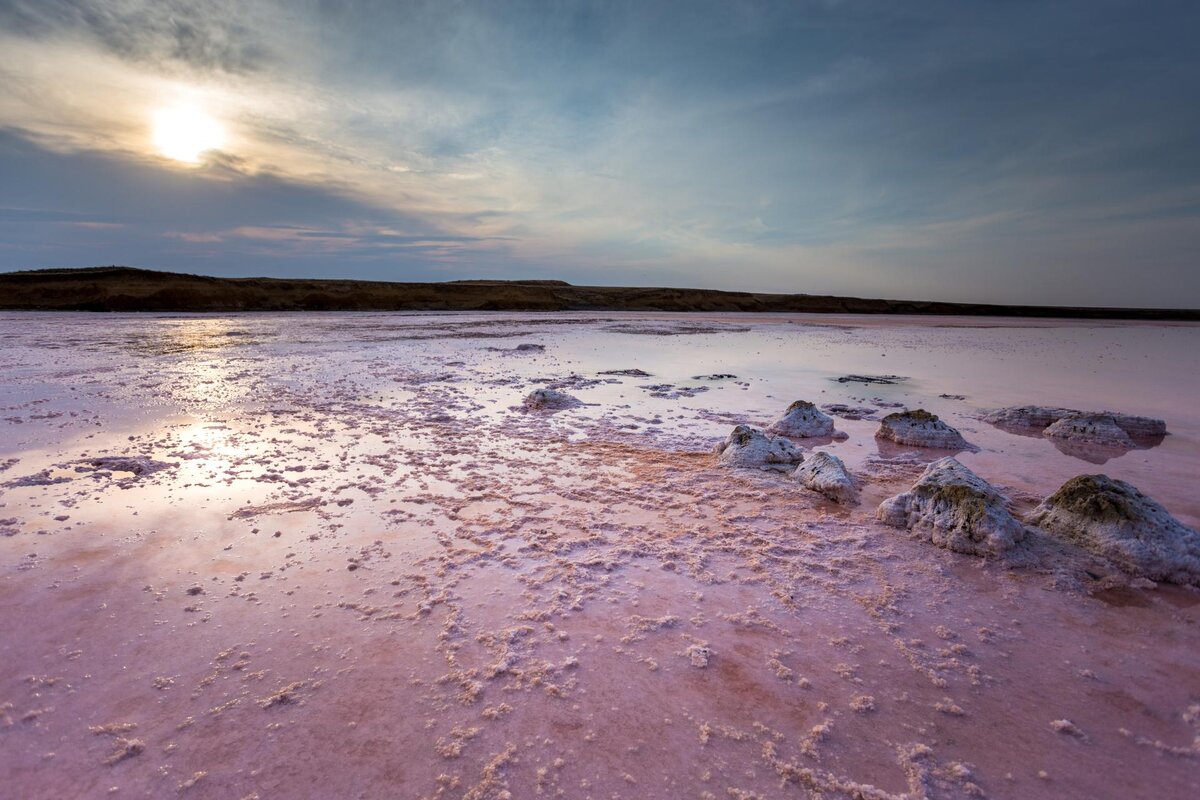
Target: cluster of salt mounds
(750, 447)
(549, 399)
(1112, 519)
(920, 429)
(803, 420)
(1091, 436)
(825, 474)
(954, 508)
(1045, 418)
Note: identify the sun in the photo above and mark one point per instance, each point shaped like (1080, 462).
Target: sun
(185, 133)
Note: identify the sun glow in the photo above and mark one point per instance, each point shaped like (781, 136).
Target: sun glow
(185, 133)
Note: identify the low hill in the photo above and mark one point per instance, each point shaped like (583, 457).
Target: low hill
(129, 289)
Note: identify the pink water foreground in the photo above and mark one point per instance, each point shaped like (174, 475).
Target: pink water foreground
(355, 568)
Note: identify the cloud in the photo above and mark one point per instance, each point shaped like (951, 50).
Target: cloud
(164, 33)
(218, 220)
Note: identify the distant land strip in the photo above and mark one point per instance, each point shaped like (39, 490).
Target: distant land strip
(130, 289)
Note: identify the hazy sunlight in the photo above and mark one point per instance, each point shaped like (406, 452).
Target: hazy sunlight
(185, 133)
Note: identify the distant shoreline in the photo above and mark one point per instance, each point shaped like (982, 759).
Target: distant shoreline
(129, 289)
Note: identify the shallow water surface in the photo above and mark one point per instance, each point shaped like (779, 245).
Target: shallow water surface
(344, 562)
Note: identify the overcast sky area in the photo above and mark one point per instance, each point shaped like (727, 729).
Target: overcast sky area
(1005, 151)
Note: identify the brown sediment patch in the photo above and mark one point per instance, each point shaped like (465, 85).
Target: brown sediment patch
(282, 507)
(1123, 597)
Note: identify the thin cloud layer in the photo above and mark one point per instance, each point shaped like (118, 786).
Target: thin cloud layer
(1027, 152)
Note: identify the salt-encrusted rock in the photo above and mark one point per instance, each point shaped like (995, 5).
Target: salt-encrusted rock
(1031, 417)
(1113, 519)
(1140, 427)
(802, 420)
(826, 474)
(1038, 418)
(871, 379)
(849, 412)
(749, 447)
(1097, 429)
(628, 373)
(921, 429)
(140, 466)
(552, 399)
(1091, 436)
(699, 655)
(955, 509)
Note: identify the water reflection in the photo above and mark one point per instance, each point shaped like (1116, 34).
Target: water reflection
(190, 335)
(1100, 453)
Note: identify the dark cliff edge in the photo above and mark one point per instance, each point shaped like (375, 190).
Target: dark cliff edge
(130, 289)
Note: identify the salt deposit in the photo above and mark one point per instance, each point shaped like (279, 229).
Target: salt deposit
(921, 429)
(826, 474)
(954, 508)
(746, 446)
(1113, 519)
(802, 420)
(549, 399)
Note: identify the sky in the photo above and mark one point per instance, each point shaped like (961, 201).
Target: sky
(982, 150)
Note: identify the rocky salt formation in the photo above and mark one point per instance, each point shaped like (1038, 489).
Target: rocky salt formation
(550, 400)
(669, 391)
(883, 380)
(956, 509)
(825, 474)
(1140, 427)
(849, 412)
(803, 420)
(750, 447)
(139, 466)
(1039, 418)
(920, 429)
(1035, 418)
(628, 373)
(1092, 429)
(1113, 519)
(1091, 436)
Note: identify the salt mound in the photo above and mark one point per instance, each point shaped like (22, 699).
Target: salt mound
(1113, 519)
(1042, 417)
(1097, 429)
(551, 399)
(750, 447)
(955, 509)
(803, 420)
(921, 429)
(1031, 417)
(826, 474)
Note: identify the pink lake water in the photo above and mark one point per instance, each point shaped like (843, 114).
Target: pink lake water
(364, 571)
